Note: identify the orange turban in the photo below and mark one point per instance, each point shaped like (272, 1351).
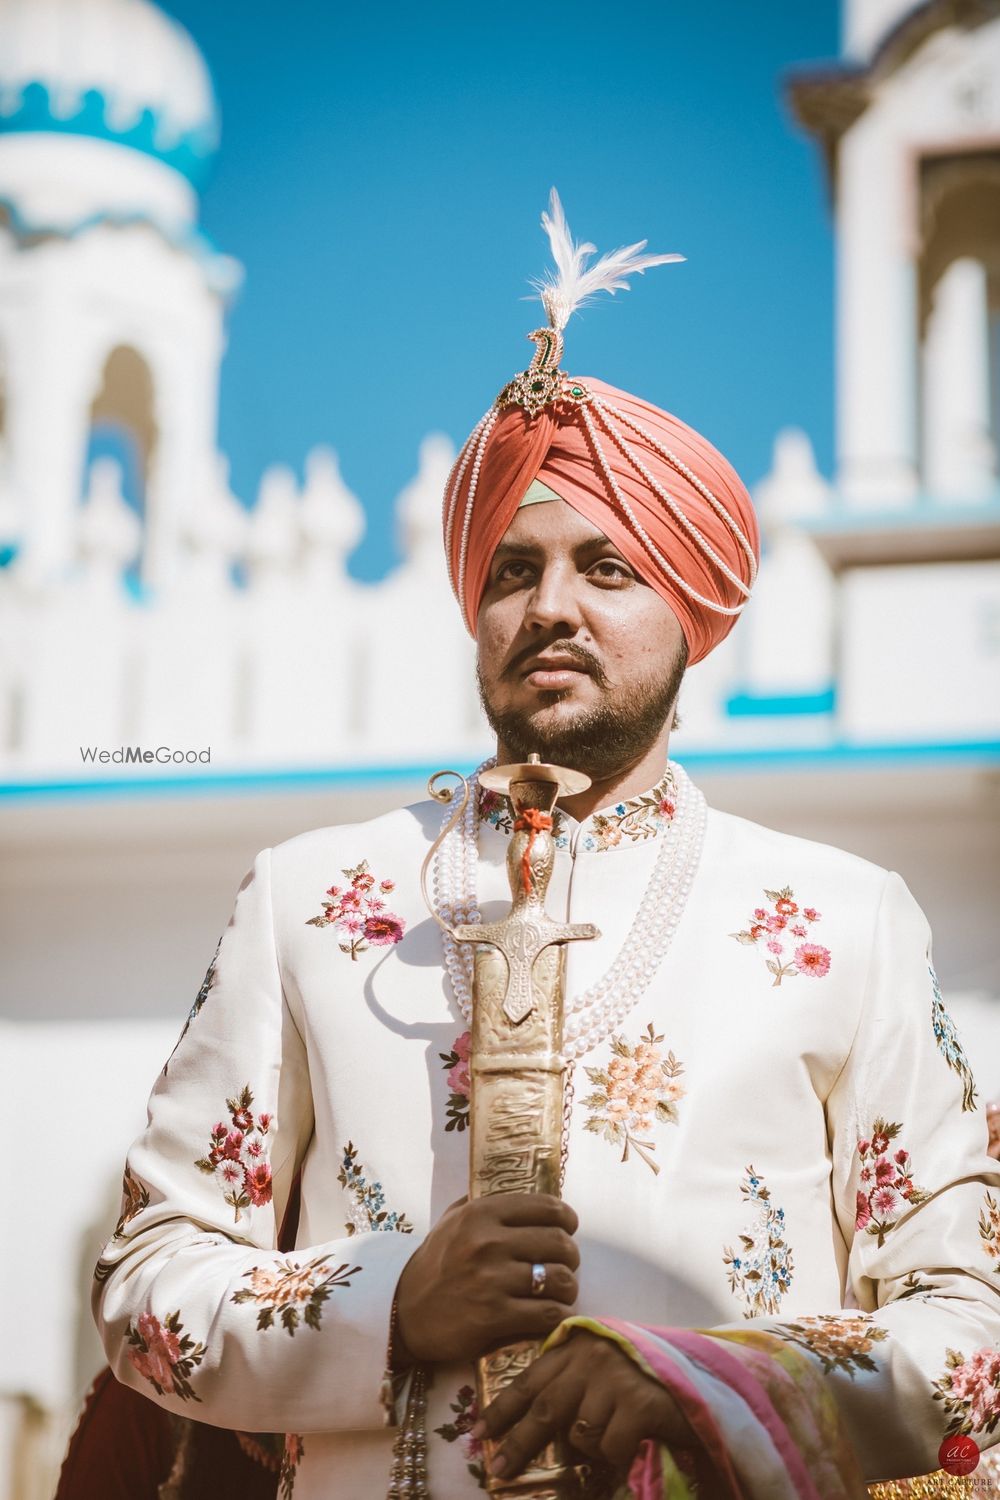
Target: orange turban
(686, 524)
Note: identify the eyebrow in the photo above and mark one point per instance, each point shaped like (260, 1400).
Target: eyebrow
(534, 550)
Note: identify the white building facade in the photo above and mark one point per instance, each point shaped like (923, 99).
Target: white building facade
(144, 610)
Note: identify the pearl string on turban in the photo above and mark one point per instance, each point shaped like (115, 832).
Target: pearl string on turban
(672, 505)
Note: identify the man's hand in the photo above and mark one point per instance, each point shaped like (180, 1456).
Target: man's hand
(467, 1288)
(590, 1392)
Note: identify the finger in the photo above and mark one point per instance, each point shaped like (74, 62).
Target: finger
(559, 1285)
(630, 1422)
(546, 1245)
(597, 1405)
(539, 1209)
(527, 1318)
(515, 1399)
(550, 1413)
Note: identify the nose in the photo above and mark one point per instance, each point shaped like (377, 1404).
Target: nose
(554, 600)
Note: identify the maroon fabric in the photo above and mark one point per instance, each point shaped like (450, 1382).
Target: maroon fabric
(123, 1449)
(124, 1444)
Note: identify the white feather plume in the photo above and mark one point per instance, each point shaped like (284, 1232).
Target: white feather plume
(573, 285)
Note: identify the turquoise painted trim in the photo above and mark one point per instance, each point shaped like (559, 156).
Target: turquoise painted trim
(190, 154)
(923, 510)
(224, 782)
(833, 757)
(225, 272)
(756, 705)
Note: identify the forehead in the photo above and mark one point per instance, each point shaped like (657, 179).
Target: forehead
(552, 525)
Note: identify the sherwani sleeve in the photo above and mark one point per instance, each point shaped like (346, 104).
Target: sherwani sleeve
(196, 1307)
(912, 1193)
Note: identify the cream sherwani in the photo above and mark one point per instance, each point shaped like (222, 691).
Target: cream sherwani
(783, 1128)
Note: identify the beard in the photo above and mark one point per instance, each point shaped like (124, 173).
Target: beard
(599, 741)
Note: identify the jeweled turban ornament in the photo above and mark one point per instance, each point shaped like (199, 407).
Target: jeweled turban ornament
(667, 499)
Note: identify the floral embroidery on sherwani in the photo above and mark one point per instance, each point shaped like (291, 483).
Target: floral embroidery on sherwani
(494, 809)
(914, 1287)
(989, 1230)
(238, 1155)
(457, 1063)
(887, 1188)
(949, 1046)
(636, 1090)
(164, 1354)
(368, 1210)
(288, 1289)
(633, 821)
(290, 1460)
(466, 1411)
(761, 1272)
(842, 1341)
(199, 1001)
(135, 1197)
(358, 914)
(969, 1390)
(783, 928)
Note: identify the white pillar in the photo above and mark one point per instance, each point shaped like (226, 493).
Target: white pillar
(51, 371)
(185, 395)
(876, 323)
(960, 457)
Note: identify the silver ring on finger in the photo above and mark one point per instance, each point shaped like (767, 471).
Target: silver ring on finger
(538, 1279)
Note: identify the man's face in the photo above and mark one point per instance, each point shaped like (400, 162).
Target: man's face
(579, 659)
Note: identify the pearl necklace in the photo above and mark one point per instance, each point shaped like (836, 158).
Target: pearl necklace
(591, 1016)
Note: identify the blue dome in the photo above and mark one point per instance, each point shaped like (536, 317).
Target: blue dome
(115, 70)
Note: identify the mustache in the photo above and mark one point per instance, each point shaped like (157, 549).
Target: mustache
(572, 649)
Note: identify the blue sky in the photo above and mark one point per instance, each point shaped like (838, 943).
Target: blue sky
(381, 177)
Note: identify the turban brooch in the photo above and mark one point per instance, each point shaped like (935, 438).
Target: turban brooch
(664, 496)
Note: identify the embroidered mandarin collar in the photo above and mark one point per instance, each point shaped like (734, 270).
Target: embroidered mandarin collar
(634, 821)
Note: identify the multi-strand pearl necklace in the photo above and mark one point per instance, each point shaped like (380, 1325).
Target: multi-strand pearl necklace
(594, 1014)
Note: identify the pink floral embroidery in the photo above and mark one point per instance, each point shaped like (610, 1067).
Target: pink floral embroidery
(357, 913)
(457, 1063)
(637, 1088)
(237, 1156)
(288, 1289)
(164, 1354)
(887, 1187)
(777, 925)
(466, 1412)
(290, 1460)
(841, 1341)
(970, 1391)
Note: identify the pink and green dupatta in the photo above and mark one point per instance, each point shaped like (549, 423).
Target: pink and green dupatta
(768, 1426)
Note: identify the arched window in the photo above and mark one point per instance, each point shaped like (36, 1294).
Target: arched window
(123, 427)
(959, 291)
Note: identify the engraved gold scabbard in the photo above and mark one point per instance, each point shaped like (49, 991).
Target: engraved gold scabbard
(517, 1067)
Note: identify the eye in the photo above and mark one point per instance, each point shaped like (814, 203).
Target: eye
(514, 571)
(612, 570)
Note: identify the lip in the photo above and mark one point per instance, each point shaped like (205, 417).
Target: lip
(551, 673)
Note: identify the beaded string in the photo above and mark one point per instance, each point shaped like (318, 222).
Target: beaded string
(592, 1015)
(603, 408)
(475, 449)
